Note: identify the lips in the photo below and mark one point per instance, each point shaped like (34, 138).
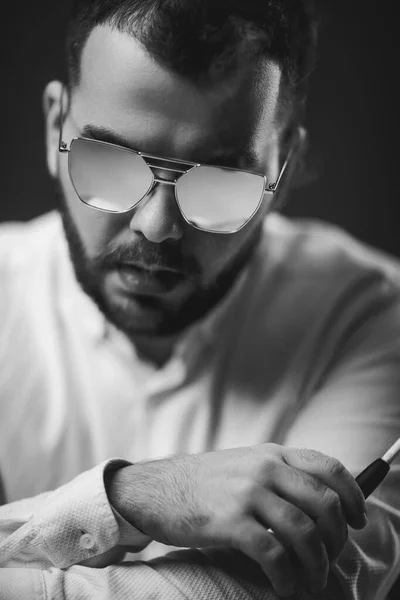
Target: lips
(150, 268)
(148, 281)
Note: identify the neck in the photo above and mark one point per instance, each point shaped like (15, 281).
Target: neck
(155, 350)
(158, 349)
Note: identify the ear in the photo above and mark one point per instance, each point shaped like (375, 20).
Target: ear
(302, 143)
(52, 109)
(297, 150)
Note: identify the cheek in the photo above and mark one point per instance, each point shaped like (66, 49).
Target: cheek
(226, 251)
(216, 253)
(96, 229)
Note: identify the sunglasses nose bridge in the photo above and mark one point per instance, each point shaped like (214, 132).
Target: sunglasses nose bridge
(165, 181)
(158, 215)
(172, 183)
(179, 173)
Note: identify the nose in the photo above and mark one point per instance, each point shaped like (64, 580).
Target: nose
(157, 216)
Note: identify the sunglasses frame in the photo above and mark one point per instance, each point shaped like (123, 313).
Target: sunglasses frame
(269, 188)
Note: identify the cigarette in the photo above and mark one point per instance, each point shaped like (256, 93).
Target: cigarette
(374, 474)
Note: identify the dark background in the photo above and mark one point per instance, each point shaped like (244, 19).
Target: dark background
(352, 116)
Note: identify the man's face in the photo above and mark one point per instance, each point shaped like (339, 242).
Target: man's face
(148, 270)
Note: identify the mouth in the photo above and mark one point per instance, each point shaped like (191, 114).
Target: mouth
(153, 269)
(148, 280)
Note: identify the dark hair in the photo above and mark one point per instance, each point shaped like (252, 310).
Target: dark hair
(207, 40)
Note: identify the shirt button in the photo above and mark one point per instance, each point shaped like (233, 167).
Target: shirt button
(87, 541)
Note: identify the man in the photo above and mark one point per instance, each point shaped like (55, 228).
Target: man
(180, 366)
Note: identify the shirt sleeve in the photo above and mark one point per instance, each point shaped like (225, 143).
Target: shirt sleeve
(43, 538)
(215, 573)
(354, 415)
(69, 525)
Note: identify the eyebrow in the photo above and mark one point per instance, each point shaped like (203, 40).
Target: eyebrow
(228, 159)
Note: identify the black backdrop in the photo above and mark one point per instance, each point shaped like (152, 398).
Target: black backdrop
(352, 116)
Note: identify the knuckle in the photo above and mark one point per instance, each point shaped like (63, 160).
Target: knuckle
(312, 482)
(335, 467)
(249, 494)
(306, 528)
(268, 469)
(309, 455)
(265, 545)
(308, 531)
(332, 501)
(301, 522)
(276, 557)
(241, 539)
(266, 473)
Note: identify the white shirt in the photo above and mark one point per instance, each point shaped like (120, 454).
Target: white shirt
(304, 351)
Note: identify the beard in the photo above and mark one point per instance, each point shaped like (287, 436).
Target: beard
(169, 318)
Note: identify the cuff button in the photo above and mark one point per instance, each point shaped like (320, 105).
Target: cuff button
(87, 541)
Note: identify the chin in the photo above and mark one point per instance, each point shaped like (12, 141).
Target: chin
(133, 315)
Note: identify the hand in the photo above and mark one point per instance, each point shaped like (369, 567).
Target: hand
(236, 497)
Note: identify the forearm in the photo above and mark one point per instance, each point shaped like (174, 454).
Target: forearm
(366, 569)
(199, 573)
(210, 573)
(125, 492)
(136, 493)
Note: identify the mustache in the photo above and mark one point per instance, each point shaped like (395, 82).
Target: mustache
(165, 255)
(162, 256)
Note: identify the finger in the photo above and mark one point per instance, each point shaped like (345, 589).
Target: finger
(263, 547)
(318, 501)
(297, 531)
(335, 475)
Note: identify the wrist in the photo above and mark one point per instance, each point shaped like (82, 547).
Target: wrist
(118, 482)
(120, 485)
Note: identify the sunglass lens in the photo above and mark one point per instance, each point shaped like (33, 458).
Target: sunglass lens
(108, 177)
(219, 199)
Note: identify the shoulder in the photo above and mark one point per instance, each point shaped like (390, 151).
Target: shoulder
(21, 241)
(28, 253)
(26, 246)
(313, 281)
(314, 251)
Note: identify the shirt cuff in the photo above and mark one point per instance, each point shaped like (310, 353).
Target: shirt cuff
(76, 521)
(130, 536)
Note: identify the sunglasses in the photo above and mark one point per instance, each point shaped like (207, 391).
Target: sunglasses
(114, 179)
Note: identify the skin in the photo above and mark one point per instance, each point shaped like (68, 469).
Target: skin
(307, 499)
(235, 497)
(157, 112)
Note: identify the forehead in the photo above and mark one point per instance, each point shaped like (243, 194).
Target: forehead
(123, 88)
